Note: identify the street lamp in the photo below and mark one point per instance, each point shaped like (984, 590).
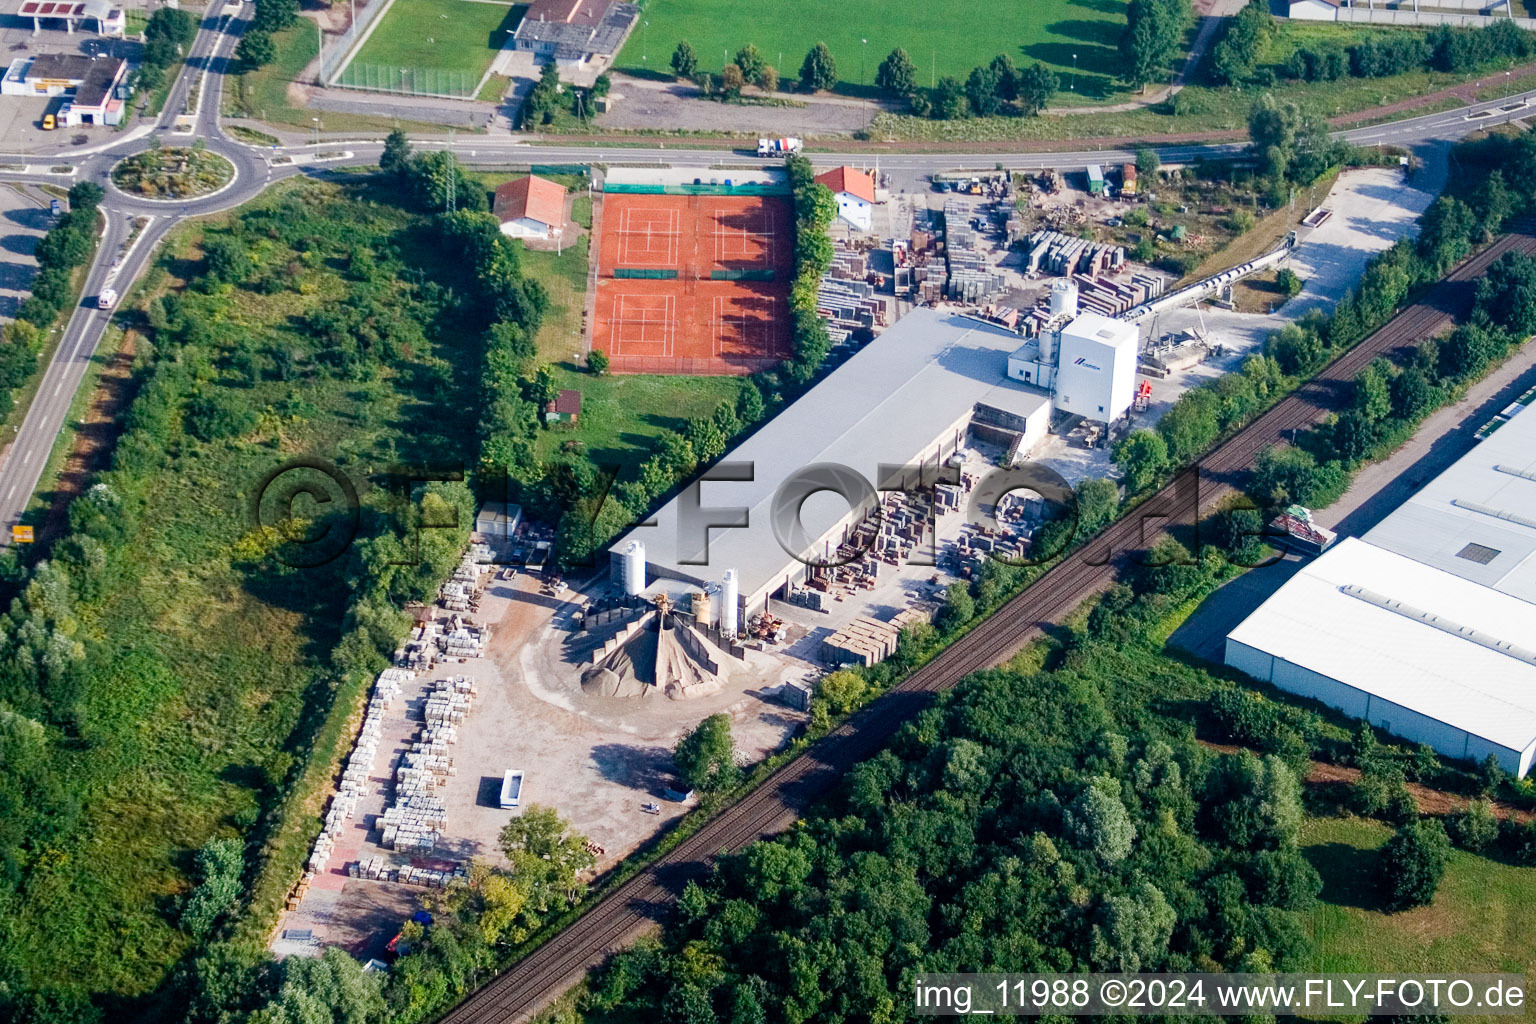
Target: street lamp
(645, 41)
(862, 51)
(1073, 86)
(316, 130)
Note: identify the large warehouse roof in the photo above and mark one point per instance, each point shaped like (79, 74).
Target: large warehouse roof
(1478, 518)
(1408, 633)
(889, 403)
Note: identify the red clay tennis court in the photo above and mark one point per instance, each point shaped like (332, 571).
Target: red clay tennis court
(694, 284)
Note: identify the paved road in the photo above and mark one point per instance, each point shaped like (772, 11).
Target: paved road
(256, 168)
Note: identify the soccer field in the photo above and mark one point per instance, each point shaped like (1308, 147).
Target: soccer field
(942, 39)
(433, 46)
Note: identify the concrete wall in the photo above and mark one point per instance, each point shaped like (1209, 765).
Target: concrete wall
(1382, 714)
(1426, 19)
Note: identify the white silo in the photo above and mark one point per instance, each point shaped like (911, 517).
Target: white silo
(1063, 298)
(634, 568)
(730, 602)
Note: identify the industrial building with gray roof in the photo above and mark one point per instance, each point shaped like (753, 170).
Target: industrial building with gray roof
(907, 398)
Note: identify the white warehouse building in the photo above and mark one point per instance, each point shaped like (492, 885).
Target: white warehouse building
(1413, 650)
(1426, 626)
(1096, 367)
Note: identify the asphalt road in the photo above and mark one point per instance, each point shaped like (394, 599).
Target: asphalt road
(256, 168)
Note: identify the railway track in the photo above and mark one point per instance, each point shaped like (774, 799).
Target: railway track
(516, 994)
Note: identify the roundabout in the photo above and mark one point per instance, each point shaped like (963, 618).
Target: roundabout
(173, 174)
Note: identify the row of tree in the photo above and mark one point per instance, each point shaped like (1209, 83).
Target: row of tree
(1443, 48)
(817, 72)
(998, 87)
(168, 36)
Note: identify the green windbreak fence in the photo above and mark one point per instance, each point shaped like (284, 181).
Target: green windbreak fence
(749, 188)
(582, 169)
(758, 274)
(645, 274)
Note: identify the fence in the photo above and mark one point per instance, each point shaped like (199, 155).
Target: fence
(742, 275)
(342, 46)
(645, 274)
(439, 82)
(746, 188)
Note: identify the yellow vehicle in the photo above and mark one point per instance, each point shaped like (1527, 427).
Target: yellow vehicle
(49, 124)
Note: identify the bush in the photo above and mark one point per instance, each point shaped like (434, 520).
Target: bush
(1412, 864)
(1475, 828)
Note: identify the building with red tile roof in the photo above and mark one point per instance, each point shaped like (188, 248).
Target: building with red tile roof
(530, 207)
(855, 194)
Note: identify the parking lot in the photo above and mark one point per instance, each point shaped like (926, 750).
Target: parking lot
(25, 218)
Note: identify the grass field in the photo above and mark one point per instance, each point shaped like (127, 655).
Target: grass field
(1475, 924)
(942, 39)
(431, 42)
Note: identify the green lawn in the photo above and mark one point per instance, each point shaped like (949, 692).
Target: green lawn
(942, 39)
(1476, 923)
(434, 45)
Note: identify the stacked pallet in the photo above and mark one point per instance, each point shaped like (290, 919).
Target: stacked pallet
(1061, 254)
(359, 767)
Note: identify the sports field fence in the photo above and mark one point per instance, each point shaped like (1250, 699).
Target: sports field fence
(409, 81)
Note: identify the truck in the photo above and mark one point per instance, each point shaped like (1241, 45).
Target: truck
(779, 147)
(107, 299)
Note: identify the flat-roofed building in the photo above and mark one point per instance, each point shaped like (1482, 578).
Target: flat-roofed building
(908, 398)
(1477, 519)
(1413, 649)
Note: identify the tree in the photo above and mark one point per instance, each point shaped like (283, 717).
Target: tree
(981, 91)
(1373, 390)
(843, 690)
(85, 195)
(1002, 67)
(959, 607)
(768, 80)
(256, 49)
(1097, 820)
(544, 851)
(706, 757)
(1288, 282)
(597, 362)
(227, 260)
(1153, 32)
(1143, 456)
(396, 158)
(1148, 162)
(819, 70)
(751, 64)
(1413, 862)
(732, 80)
(684, 61)
(896, 76)
(949, 102)
(1037, 84)
(1412, 395)
(220, 865)
(274, 15)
